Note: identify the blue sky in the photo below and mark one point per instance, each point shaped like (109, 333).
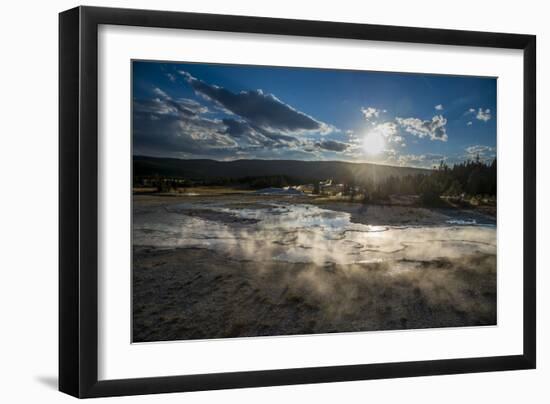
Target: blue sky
(227, 112)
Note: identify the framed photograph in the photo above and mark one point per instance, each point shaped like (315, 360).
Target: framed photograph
(251, 202)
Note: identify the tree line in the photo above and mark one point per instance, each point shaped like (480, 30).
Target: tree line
(471, 178)
(468, 179)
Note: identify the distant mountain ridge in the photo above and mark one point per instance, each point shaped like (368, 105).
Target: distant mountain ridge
(305, 171)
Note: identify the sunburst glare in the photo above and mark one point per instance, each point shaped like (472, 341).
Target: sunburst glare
(374, 143)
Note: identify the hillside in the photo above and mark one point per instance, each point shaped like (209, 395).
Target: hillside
(304, 171)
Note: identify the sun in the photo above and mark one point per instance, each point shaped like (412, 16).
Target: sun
(374, 143)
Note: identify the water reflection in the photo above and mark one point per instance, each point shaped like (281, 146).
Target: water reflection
(302, 233)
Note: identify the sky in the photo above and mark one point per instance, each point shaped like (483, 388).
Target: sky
(230, 112)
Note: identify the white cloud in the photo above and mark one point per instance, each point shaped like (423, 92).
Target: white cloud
(469, 123)
(434, 128)
(159, 93)
(167, 126)
(259, 109)
(439, 107)
(390, 132)
(370, 112)
(419, 160)
(406, 159)
(481, 150)
(483, 115)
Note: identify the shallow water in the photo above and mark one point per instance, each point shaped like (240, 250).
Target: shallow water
(304, 233)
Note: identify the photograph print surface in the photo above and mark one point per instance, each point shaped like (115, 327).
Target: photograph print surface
(275, 201)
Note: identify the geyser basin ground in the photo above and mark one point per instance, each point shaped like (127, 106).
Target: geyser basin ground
(241, 265)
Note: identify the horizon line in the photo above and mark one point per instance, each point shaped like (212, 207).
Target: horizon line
(304, 161)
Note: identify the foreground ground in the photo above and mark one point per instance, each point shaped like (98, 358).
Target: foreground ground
(216, 266)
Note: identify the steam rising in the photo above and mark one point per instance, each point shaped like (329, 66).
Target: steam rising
(275, 268)
(302, 233)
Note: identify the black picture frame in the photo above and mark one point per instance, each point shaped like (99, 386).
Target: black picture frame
(78, 201)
